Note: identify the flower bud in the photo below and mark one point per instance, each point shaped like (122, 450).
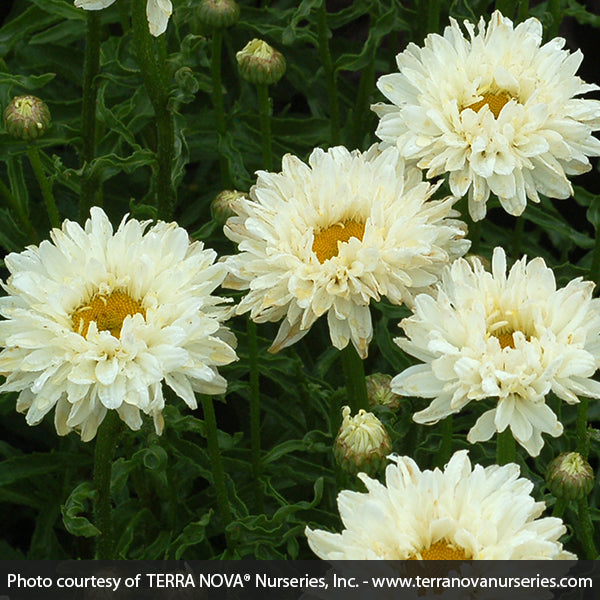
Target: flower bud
(221, 208)
(218, 14)
(362, 443)
(570, 476)
(379, 391)
(259, 63)
(26, 118)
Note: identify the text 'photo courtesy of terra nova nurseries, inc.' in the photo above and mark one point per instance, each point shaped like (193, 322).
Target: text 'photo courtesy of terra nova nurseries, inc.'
(297, 285)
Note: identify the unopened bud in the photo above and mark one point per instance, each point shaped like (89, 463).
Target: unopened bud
(26, 118)
(222, 207)
(362, 443)
(218, 14)
(379, 391)
(570, 476)
(259, 63)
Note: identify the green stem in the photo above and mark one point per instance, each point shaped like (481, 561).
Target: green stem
(586, 528)
(555, 10)
(255, 413)
(507, 7)
(264, 110)
(103, 460)
(505, 447)
(332, 92)
(38, 169)
(433, 16)
(212, 440)
(445, 451)
(559, 508)
(91, 68)
(474, 233)
(594, 273)
(155, 81)
(523, 10)
(581, 425)
(354, 373)
(518, 237)
(18, 209)
(217, 98)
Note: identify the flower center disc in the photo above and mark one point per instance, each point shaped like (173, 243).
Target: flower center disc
(108, 312)
(495, 102)
(325, 244)
(506, 339)
(441, 551)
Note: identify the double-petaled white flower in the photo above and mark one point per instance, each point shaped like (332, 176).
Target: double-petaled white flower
(95, 320)
(510, 338)
(460, 513)
(329, 236)
(157, 11)
(497, 111)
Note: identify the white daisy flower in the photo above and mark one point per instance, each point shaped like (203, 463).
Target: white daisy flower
(461, 513)
(513, 338)
(329, 236)
(499, 112)
(157, 12)
(96, 320)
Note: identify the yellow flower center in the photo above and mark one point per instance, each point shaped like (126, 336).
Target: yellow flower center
(441, 550)
(108, 312)
(326, 241)
(505, 339)
(495, 102)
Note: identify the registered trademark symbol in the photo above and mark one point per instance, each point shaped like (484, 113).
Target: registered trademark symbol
(247, 577)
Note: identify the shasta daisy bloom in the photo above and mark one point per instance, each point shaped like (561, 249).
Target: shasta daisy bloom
(95, 320)
(498, 112)
(329, 236)
(157, 12)
(460, 513)
(511, 338)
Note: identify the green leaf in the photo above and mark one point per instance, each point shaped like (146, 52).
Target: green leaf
(193, 534)
(80, 500)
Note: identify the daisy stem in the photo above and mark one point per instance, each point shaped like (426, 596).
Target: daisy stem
(507, 7)
(586, 528)
(518, 237)
(38, 169)
(505, 447)
(433, 16)
(583, 439)
(91, 67)
(445, 451)
(559, 508)
(217, 98)
(153, 71)
(212, 440)
(334, 109)
(103, 460)
(264, 111)
(354, 373)
(255, 412)
(594, 274)
(523, 10)
(554, 6)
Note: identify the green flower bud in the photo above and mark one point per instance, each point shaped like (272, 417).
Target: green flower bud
(222, 207)
(570, 476)
(379, 391)
(26, 118)
(260, 63)
(362, 443)
(218, 14)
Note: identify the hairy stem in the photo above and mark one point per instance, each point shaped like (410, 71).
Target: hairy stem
(38, 169)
